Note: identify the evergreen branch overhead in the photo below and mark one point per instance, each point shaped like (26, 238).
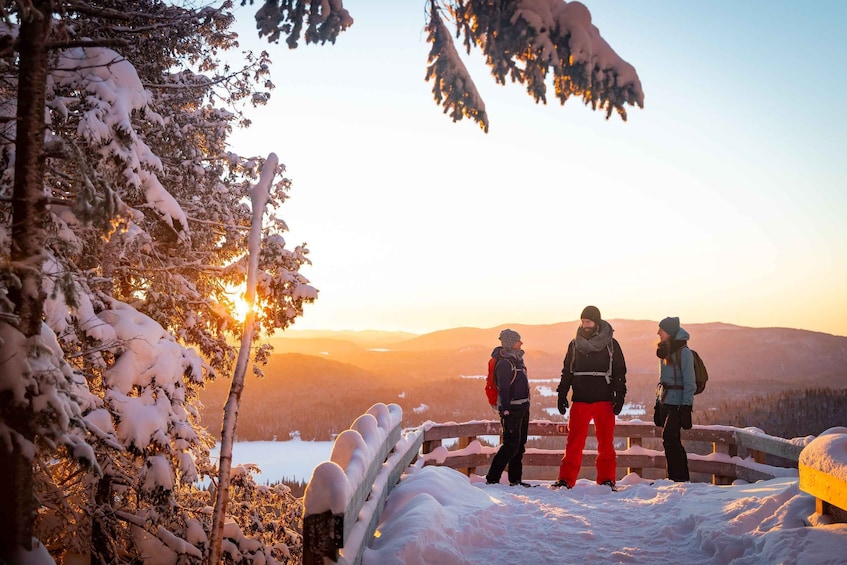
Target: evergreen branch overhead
(536, 43)
(527, 41)
(452, 85)
(323, 21)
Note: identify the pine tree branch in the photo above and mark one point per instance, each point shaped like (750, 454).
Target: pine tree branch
(100, 12)
(219, 224)
(85, 43)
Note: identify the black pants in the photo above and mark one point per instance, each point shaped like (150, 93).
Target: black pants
(515, 429)
(675, 454)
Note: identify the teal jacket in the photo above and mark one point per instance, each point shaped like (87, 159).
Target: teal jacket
(679, 370)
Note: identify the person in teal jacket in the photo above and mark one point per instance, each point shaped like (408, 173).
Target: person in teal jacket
(675, 396)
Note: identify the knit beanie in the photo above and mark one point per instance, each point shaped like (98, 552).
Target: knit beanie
(670, 325)
(591, 313)
(509, 338)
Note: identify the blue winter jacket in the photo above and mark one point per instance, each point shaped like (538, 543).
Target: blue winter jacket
(679, 370)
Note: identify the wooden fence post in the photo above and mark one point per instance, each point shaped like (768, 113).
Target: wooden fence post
(465, 441)
(634, 442)
(726, 449)
(323, 535)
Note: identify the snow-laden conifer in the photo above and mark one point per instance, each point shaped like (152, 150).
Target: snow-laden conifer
(141, 214)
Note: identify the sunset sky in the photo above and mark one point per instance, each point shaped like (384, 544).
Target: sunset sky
(722, 200)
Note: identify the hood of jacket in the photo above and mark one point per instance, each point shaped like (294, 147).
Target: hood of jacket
(682, 335)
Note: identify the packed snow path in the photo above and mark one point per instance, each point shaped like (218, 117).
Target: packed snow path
(437, 516)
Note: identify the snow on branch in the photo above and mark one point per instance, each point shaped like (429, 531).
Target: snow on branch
(113, 93)
(35, 376)
(168, 546)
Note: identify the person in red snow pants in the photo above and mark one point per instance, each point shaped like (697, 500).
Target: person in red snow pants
(604, 426)
(595, 370)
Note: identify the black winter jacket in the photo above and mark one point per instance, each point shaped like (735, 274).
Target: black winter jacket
(589, 388)
(512, 393)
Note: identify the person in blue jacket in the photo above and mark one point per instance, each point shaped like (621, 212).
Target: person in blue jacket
(675, 394)
(513, 406)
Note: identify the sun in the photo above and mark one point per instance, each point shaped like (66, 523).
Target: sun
(241, 309)
(240, 305)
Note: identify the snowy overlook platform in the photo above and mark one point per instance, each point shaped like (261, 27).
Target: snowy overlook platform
(346, 495)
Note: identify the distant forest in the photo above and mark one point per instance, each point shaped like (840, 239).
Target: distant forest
(788, 414)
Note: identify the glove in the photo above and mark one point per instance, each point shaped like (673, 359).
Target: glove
(562, 405)
(685, 417)
(618, 406)
(659, 414)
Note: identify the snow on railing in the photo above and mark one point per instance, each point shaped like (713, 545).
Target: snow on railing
(823, 472)
(365, 464)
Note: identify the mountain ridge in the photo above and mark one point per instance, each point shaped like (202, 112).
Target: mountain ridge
(382, 338)
(318, 384)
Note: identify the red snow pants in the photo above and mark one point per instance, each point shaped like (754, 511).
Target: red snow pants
(604, 426)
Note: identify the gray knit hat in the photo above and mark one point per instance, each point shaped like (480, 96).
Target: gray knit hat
(509, 338)
(670, 325)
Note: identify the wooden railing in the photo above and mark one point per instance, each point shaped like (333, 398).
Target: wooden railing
(736, 454)
(335, 531)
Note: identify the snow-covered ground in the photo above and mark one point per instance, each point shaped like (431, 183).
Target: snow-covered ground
(439, 516)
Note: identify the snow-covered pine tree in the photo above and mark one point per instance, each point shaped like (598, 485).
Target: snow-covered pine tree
(145, 230)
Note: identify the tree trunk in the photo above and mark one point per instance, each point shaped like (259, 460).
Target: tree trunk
(227, 439)
(29, 208)
(259, 200)
(101, 546)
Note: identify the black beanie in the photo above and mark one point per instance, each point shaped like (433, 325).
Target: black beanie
(670, 325)
(591, 313)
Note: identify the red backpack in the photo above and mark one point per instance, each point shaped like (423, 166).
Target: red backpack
(491, 390)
